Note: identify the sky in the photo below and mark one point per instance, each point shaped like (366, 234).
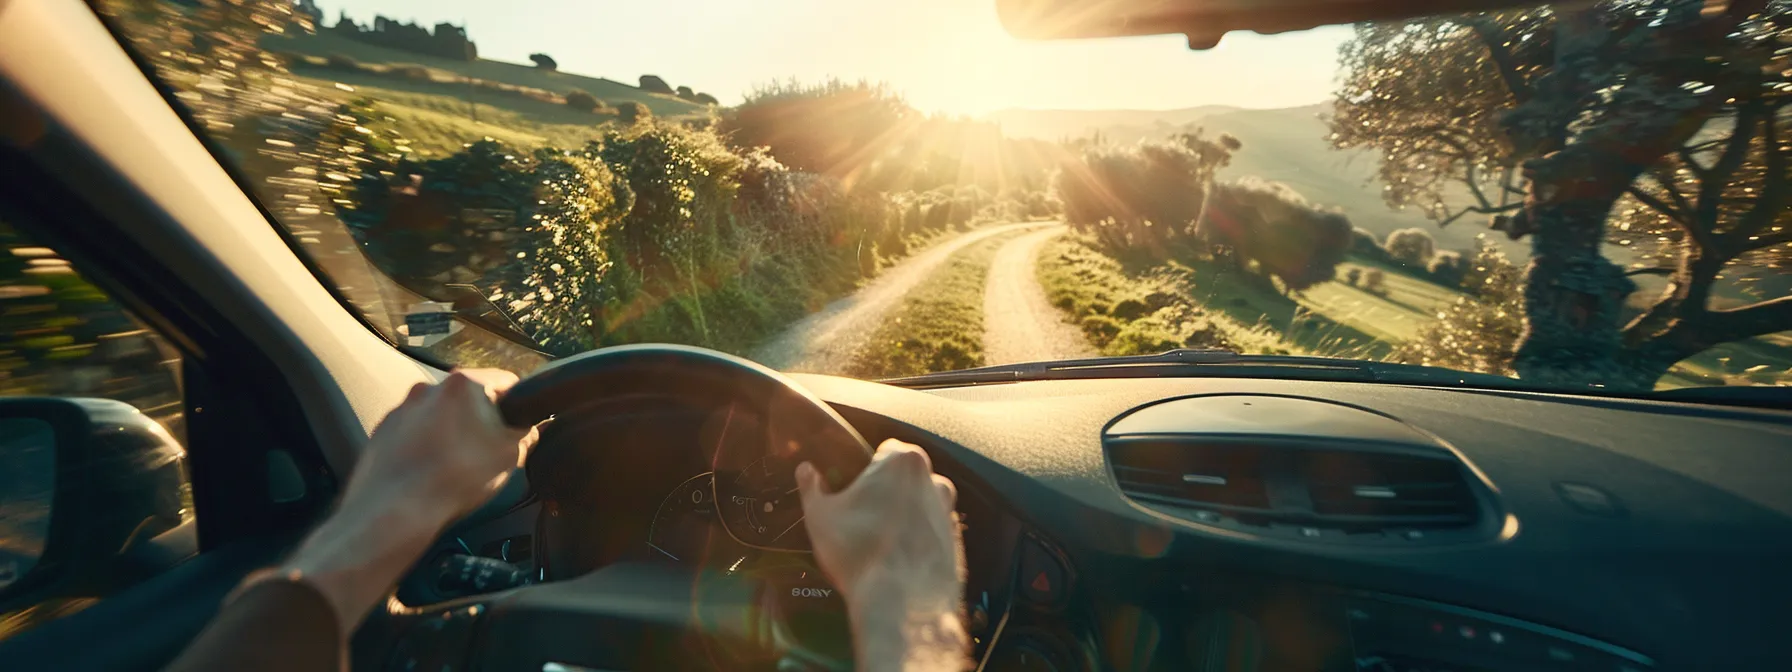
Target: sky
(944, 55)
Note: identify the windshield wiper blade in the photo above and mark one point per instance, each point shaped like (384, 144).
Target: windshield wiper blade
(1212, 362)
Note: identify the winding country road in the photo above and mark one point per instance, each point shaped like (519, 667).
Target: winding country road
(826, 341)
(1020, 323)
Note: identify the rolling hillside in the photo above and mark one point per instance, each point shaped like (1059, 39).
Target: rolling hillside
(1286, 145)
(324, 44)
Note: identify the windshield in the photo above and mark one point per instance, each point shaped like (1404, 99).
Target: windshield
(1576, 198)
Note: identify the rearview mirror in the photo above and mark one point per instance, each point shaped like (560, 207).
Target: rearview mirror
(1206, 21)
(85, 486)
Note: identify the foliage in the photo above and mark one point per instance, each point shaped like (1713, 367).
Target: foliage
(1375, 281)
(832, 128)
(1411, 247)
(1447, 268)
(544, 61)
(1651, 124)
(653, 84)
(705, 99)
(1478, 333)
(634, 113)
(1272, 225)
(1147, 195)
(1353, 276)
(582, 100)
(448, 40)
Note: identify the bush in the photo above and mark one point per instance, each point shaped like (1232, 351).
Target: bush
(1143, 196)
(1475, 334)
(706, 99)
(580, 100)
(653, 84)
(1375, 281)
(1411, 247)
(1365, 245)
(1271, 224)
(1100, 329)
(634, 113)
(544, 61)
(1130, 309)
(686, 93)
(1447, 268)
(1353, 276)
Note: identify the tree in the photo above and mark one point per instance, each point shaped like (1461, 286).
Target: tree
(544, 61)
(1144, 196)
(581, 100)
(1411, 247)
(634, 112)
(1270, 223)
(706, 99)
(653, 84)
(833, 128)
(1633, 122)
(686, 93)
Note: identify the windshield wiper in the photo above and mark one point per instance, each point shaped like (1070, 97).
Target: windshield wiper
(1215, 362)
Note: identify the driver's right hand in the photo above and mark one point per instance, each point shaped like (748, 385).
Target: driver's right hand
(891, 545)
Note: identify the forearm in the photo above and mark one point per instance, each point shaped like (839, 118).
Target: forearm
(356, 556)
(897, 635)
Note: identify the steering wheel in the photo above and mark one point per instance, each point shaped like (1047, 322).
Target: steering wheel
(628, 615)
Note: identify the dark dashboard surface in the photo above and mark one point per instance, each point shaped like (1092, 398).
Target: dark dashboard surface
(1585, 533)
(1681, 566)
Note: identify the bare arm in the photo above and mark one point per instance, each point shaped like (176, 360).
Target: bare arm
(891, 545)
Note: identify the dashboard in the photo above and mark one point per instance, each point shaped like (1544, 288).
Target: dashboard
(1236, 525)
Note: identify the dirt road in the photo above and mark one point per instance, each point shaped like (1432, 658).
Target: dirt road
(1020, 324)
(824, 342)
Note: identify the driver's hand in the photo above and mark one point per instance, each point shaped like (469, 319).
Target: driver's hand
(445, 447)
(890, 544)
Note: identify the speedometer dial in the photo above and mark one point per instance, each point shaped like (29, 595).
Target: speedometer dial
(681, 528)
(760, 506)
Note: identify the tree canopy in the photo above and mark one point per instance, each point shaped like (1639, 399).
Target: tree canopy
(1654, 125)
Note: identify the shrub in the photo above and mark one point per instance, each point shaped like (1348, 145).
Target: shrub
(705, 99)
(1447, 268)
(1353, 276)
(1272, 225)
(1375, 281)
(1364, 244)
(1479, 333)
(544, 61)
(1100, 329)
(1130, 309)
(1411, 247)
(580, 100)
(1142, 196)
(634, 113)
(653, 84)
(686, 93)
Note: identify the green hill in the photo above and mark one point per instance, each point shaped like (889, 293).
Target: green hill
(323, 45)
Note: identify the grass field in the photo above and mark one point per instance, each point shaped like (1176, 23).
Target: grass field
(939, 324)
(613, 92)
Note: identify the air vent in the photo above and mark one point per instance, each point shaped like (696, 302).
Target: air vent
(1380, 491)
(1226, 477)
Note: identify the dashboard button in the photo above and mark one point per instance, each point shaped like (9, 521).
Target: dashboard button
(1042, 575)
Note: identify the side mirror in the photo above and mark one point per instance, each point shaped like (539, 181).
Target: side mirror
(84, 485)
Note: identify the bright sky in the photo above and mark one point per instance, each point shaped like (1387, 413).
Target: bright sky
(944, 55)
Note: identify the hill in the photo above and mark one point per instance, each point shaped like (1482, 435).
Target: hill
(323, 45)
(1128, 124)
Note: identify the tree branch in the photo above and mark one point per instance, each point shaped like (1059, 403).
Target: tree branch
(1652, 271)
(1766, 317)
(1490, 210)
(1767, 207)
(1495, 39)
(1666, 210)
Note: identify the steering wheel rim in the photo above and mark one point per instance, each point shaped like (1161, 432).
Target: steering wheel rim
(810, 429)
(824, 438)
